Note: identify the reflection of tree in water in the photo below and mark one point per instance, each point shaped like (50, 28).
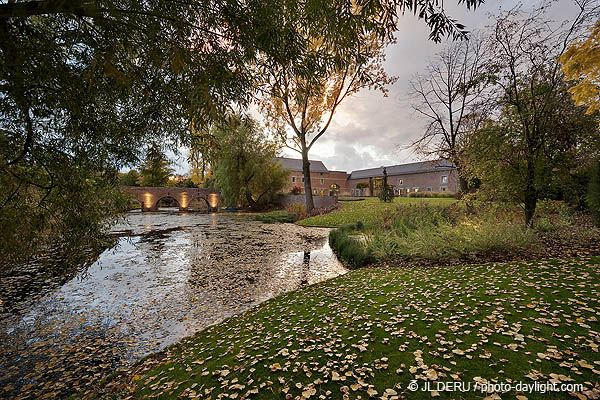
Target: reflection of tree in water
(305, 268)
(24, 284)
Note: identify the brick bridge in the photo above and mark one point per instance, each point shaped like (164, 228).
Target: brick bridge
(150, 196)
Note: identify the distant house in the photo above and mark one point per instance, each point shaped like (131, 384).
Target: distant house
(424, 176)
(324, 182)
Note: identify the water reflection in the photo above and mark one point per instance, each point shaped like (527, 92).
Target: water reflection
(174, 275)
(305, 266)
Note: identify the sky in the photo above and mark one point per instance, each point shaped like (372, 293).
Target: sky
(369, 130)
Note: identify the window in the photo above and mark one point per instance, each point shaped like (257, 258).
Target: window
(322, 181)
(302, 179)
(407, 190)
(443, 188)
(400, 181)
(429, 188)
(415, 189)
(315, 192)
(293, 179)
(444, 179)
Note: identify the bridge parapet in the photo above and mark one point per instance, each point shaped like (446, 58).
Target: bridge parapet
(150, 196)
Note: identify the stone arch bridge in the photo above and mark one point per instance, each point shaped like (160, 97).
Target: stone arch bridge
(150, 196)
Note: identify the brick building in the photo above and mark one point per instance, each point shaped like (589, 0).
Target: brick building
(424, 176)
(324, 182)
(430, 176)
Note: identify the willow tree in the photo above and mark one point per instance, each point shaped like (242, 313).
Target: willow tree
(85, 85)
(246, 168)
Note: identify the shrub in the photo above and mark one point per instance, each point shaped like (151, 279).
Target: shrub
(387, 194)
(433, 232)
(298, 209)
(553, 207)
(544, 224)
(454, 242)
(432, 195)
(296, 190)
(349, 249)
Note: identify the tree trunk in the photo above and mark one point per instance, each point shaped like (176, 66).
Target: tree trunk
(307, 184)
(530, 195)
(250, 200)
(463, 185)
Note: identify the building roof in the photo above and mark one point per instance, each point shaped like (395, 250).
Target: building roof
(404, 169)
(294, 164)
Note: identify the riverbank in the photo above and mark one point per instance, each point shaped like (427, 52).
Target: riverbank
(372, 332)
(437, 232)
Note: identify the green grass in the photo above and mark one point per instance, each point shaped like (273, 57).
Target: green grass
(365, 211)
(276, 216)
(378, 329)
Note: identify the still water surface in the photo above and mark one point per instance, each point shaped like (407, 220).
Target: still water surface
(171, 275)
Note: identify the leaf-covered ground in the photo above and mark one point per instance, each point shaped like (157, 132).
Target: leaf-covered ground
(365, 211)
(372, 332)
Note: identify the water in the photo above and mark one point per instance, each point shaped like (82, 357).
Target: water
(172, 275)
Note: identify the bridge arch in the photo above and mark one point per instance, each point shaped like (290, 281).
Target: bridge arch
(150, 196)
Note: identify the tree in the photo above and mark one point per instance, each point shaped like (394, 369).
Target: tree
(451, 96)
(523, 57)
(155, 171)
(307, 105)
(246, 168)
(188, 183)
(581, 62)
(305, 89)
(567, 139)
(129, 179)
(85, 85)
(199, 166)
(387, 192)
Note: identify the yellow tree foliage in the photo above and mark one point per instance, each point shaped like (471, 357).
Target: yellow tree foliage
(300, 100)
(582, 61)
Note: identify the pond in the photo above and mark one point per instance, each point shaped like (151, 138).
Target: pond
(171, 275)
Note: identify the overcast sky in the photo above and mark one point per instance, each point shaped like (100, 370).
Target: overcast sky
(370, 130)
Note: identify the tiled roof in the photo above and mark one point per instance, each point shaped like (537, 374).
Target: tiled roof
(404, 169)
(294, 164)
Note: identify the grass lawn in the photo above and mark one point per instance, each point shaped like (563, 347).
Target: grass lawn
(365, 211)
(371, 332)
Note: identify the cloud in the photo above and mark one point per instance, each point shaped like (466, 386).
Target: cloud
(370, 130)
